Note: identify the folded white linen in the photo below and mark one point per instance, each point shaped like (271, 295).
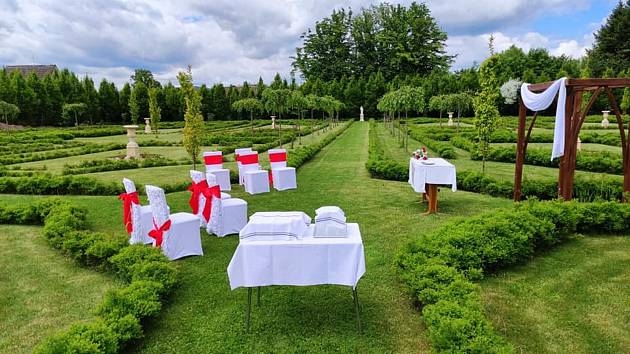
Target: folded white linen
(296, 214)
(330, 221)
(278, 227)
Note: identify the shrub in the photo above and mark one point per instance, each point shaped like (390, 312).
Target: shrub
(149, 273)
(439, 267)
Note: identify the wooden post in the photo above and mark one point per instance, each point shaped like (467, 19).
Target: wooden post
(571, 144)
(566, 158)
(432, 196)
(625, 150)
(520, 151)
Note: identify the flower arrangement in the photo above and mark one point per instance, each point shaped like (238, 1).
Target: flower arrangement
(420, 154)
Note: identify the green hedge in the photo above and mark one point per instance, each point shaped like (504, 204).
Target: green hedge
(439, 267)
(443, 149)
(148, 273)
(378, 164)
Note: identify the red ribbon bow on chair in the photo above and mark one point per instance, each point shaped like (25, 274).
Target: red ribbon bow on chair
(208, 193)
(196, 189)
(128, 199)
(158, 232)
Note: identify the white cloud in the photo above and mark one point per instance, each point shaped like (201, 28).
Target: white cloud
(232, 40)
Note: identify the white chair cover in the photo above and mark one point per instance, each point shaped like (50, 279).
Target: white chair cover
(140, 218)
(197, 177)
(228, 216)
(283, 177)
(237, 153)
(183, 238)
(214, 164)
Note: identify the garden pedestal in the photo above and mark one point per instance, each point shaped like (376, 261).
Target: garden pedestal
(147, 125)
(133, 150)
(450, 119)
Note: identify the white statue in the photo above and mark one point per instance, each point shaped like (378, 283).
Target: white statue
(361, 115)
(273, 122)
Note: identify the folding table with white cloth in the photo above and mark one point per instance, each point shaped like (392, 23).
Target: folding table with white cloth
(281, 248)
(426, 175)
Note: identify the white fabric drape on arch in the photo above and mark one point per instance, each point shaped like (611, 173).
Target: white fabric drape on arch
(541, 101)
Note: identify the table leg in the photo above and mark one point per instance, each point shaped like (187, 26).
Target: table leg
(249, 308)
(355, 297)
(432, 196)
(258, 300)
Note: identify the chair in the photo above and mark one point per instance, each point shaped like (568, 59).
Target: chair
(137, 218)
(228, 216)
(282, 177)
(200, 192)
(237, 153)
(256, 180)
(177, 234)
(214, 164)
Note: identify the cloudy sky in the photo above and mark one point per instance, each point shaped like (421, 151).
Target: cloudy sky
(235, 40)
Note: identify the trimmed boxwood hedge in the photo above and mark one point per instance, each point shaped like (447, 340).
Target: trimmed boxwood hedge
(439, 268)
(149, 275)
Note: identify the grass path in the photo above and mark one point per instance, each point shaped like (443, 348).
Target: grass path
(40, 289)
(572, 300)
(205, 316)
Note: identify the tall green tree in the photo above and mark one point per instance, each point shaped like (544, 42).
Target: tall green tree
(108, 100)
(155, 112)
(134, 106)
(612, 42)
(90, 98)
(393, 39)
(172, 103)
(486, 112)
(193, 128)
(125, 95)
(297, 103)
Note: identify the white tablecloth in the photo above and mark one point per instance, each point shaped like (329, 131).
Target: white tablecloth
(309, 261)
(440, 172)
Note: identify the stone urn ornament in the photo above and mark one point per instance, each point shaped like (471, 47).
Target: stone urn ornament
(450, 119)
(361, 117)
(605, 122)
(273, 122)
(133, 150)
(147, 125)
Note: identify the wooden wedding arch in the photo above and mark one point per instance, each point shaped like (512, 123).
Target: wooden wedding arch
(574, 118)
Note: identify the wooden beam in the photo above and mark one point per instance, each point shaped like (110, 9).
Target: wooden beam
(521, 147)
(529, 130)
(582, 116)
(584, 84)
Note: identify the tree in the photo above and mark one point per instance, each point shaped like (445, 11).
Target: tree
(298, 103)
(393, 39)
(612, 42)
(463, 103)
(9, 112)
(193, 127)
(625, 101)
(108, 101)
(276, 101)
(134, 106)
(145, 77)
(172, 102)
(410, 99)
(90, 98)
(486, 112)
(438, 104)
(250, 105)
(155, 112)
(75, 110)
(125, 95)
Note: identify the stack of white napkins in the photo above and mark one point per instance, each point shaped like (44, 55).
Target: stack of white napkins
(330, 221)
(276, 225)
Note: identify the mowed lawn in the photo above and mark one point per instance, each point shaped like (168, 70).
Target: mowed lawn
(41, 291)
(573, 299)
